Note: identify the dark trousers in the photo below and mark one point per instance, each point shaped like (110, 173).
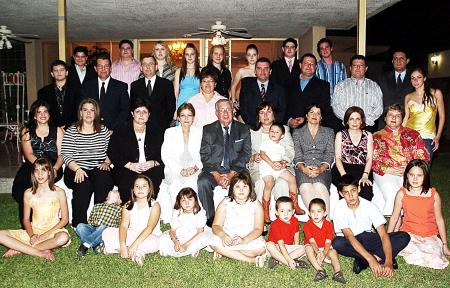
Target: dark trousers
(124, 179)
(98, 182)
(22, 182)
(371, 241)
(205, 185)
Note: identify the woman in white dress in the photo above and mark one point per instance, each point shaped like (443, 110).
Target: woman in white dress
(182, 166)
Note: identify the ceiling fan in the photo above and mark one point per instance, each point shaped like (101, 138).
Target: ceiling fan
(217, 30)
(6, 35)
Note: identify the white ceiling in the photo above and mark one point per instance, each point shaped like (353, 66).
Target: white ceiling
(115, 19)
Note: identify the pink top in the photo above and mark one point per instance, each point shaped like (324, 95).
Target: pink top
(128, 73)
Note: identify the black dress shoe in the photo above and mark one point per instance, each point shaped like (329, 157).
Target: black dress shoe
(395, 264)
(82, 250)
(359, 265)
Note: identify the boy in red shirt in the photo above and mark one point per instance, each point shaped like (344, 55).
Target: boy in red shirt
(318, 233)
(284, 237)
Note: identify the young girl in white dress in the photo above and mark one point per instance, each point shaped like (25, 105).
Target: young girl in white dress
(139, 230)
(187, 234)
(238, 224)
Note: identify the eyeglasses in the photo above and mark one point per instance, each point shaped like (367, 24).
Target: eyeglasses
(224, 110)
(103, 66)
(148, 65)
(208, 81)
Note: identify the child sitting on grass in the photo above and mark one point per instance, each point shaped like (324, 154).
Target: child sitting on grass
(422, 218)
(139, 230)
(46, 202)
(238, 224)
(273, 167)
(318, 233)
(284, 237)
(186, 235)
(353, 220)
(103, 215)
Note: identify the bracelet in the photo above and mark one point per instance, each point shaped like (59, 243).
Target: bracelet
(77, 169)
(366, 173)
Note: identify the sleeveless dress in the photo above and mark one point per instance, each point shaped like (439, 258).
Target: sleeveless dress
(138, 222)
(239, 220)
(189, 86)
(425, 247)
(45, 216)
(354, 159)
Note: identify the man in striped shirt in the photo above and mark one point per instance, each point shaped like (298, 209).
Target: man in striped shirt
(358, 91)
(126, 69)
(329, 69)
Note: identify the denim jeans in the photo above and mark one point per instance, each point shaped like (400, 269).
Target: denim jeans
(89, 234)
(429, 147)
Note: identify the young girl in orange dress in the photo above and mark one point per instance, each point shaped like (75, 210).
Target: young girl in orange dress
(45, 202)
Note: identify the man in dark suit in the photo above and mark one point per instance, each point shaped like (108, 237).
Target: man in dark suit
(60, 96)
(395, 84)
(286, 69)
(255, 90)
(110, 93)
(160, 95)
(80, 72)
(225, 150)
(309, 90)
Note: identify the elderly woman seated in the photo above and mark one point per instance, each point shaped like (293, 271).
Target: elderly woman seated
(394, 146)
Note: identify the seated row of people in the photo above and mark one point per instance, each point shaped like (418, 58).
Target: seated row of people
(238, 225)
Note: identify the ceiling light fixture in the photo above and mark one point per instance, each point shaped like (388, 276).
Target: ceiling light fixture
(218, 39)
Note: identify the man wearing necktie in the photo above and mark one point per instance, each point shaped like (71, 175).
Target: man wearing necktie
(110, 93)
(396, 83)
(225, 150)
(255, 90)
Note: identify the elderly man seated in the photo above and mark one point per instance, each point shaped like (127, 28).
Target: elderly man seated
(225, 150)
(394, 146)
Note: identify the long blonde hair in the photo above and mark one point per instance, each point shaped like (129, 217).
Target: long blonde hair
(168, 57)
(46, 166)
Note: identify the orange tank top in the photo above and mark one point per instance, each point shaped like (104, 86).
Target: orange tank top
(418, 214)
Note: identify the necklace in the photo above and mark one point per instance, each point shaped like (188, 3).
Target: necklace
(140, 134)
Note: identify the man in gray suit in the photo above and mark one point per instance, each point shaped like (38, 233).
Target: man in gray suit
(225, 151)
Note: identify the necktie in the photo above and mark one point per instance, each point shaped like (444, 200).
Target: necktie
(290, 65)
(263, 91)
(102, 92)
(149, 88)
(399, 80)
(226, 154)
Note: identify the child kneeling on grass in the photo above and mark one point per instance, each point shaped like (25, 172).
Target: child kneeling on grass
(103, 215)
(318, 233)
(186, 235)
(238, 224)
(353, 220)
(284, 237)
(139, 230)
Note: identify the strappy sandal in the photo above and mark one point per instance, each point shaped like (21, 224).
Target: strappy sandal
(259, 261)
(320, 275)
(272, 263)
(216, 256)
(100, 248)
(339, 277)
(302, 264)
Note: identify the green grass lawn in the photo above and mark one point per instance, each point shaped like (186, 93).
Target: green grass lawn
(101, 270)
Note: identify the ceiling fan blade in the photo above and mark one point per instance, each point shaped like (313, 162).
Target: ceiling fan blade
(19, 39)
(241, 30)
(237, 34)
(197, 34)
(30, 36)
(203, 29)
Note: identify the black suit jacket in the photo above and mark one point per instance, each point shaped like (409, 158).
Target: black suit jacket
(392, 94)
(69, 113)
(123, 146)
(282, 76)
(317, 91)
(116, 107)
(212, 147)
(162, 101)
(74, 81)
(250, 98)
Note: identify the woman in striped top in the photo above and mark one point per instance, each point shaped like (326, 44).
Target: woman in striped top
(166, 69)
(83, 150)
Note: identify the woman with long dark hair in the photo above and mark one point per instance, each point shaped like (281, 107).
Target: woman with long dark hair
(187, 78)
(216, 64)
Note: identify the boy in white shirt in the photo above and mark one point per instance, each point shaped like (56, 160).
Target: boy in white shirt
(353, 221)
